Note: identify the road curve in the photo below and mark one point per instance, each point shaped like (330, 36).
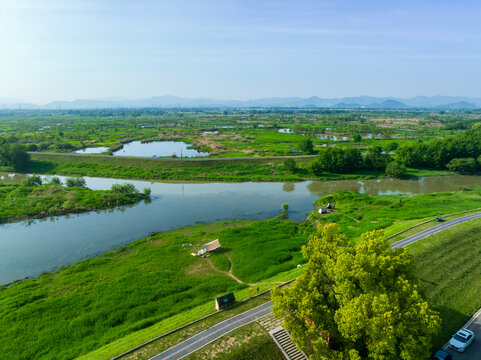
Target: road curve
(421, 235)
(213, 333)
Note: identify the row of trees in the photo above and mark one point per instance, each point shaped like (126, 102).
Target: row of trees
(345, 160)
(438, 154)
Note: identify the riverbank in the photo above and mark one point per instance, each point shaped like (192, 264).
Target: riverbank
(211, 169)
(22, 202)
(81, 307)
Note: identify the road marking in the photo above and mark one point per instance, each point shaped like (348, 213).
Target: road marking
(222, 328)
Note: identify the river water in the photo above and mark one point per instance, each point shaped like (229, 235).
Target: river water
(30, 247)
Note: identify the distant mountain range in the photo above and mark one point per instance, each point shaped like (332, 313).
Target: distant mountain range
(361, 102)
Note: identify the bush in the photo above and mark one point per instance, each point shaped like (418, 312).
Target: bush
(55, 181)
(75, 182)
(33, 180)
(124, 189)
(285, 206)
(395, 170)
(357, 138)
(147, 191)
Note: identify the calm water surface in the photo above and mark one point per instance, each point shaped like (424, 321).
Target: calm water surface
(29, 248)
(158, 148)
(92, 150)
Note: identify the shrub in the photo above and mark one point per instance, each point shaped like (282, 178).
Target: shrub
(75, 182)
(147, 191)
(124, 189)
(33, 180)
(55, 181)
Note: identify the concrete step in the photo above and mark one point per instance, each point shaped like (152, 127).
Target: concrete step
(288, 348)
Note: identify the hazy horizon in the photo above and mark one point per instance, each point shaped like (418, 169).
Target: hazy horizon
(63, 50)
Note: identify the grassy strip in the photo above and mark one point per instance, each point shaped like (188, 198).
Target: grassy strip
(449, 266)
(94, 302)
(18, 202)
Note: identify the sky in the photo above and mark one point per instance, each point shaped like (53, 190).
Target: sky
(65, 49)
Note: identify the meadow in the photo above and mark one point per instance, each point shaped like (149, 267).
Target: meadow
(79, 308)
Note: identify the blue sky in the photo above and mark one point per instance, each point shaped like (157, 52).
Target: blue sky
(61, 49)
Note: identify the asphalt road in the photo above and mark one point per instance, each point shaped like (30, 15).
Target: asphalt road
(473, 352)
(434, 230)
(213, 333)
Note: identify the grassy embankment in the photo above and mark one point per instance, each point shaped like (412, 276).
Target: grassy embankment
(20, 202)
(357, 213)
(247, 169)
(79, 308)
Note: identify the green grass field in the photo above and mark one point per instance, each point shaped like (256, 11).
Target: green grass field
(94, 302)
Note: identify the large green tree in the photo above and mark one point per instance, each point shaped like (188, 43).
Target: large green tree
(356, 300)
(14, 155)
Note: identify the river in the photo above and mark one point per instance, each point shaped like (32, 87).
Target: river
(29, 248)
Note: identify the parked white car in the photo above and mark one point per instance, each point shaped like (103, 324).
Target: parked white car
(461, 340)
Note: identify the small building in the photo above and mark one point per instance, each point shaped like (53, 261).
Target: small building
(210, 246)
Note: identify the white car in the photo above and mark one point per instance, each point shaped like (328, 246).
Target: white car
(461, 340)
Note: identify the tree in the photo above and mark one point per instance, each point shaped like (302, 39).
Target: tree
(290, 164)
(356, 301)
(357, 138)
(306, 146)
(375, 159)
(14, 155)
(316, 168)
(462, 165)
(395, 170)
